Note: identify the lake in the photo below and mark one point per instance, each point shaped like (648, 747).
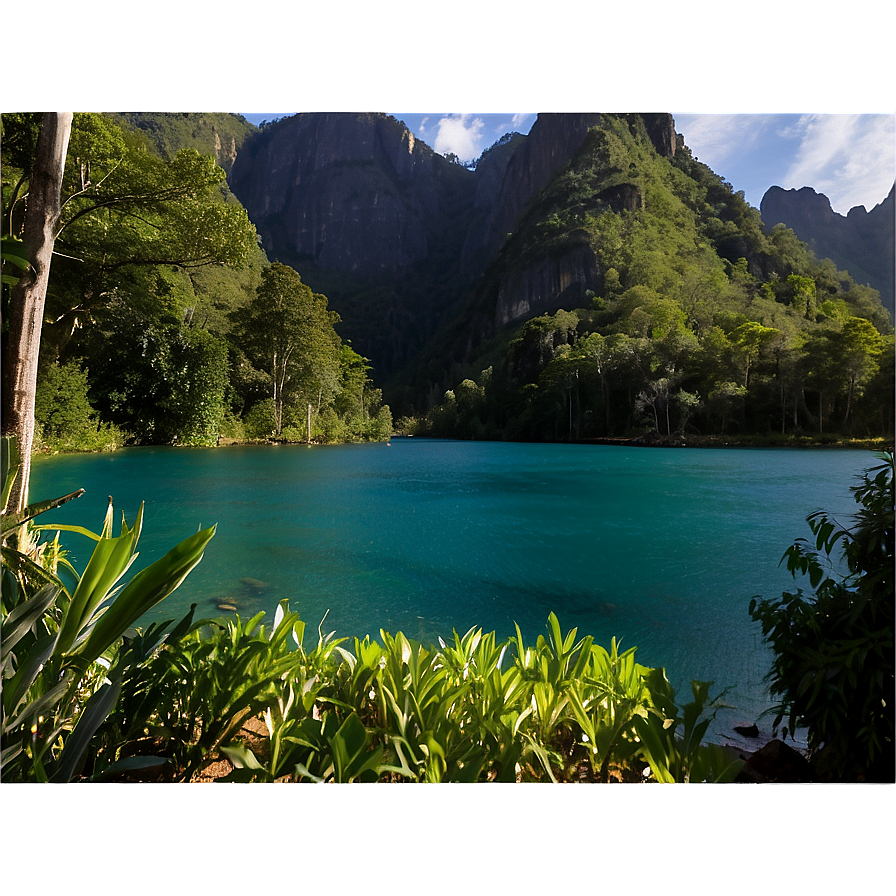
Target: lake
(661, 548)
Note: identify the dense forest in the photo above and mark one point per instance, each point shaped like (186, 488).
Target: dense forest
(636, 294)
(704, 321)
(164, 321)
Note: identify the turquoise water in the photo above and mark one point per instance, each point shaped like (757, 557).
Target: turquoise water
(662, 549)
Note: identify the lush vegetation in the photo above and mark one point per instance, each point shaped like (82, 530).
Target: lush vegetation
(155, 274)
(704, 323)
(834, 651)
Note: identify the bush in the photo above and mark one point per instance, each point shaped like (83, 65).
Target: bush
(64, 417)
(833, 669)
(260, 422)
(232, 427)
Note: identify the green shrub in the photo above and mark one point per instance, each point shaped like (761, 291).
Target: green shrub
(260, 422)
(64, 417)
(232, 427)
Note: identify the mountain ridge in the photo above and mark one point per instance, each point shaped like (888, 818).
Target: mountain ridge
(860, 242)
(395, 234)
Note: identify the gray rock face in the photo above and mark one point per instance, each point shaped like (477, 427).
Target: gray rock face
(348, 192)
(623, 197)
(661, 129)
(225, 150)
(547, 284)
(551, 143)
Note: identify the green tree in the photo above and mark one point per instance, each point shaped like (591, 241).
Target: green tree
(725, 401)
(857, 347)
(821, 375)
(124, 207)
(162, 381)
(64, 414)
(803, 295)
(748, 341)
(287, 332)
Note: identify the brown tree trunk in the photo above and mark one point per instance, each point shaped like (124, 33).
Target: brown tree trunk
(29, 294)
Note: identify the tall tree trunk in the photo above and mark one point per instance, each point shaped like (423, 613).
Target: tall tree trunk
(29, 294)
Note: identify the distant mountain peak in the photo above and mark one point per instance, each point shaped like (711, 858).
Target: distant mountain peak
(860, 242)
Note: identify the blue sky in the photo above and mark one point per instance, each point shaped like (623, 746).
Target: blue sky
(849, 158)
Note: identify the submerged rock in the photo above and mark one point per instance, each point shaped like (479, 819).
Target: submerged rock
(747, 729)
(254, 584)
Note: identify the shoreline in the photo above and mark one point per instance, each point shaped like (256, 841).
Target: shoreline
(647, 440)
(653, 440)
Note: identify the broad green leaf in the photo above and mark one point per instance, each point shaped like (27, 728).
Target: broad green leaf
(110, 560)
(39, 707)
(80, 530)
(131, 764)
(144, 591)
(656, 749)
(23, 565)
(97, 708)
(348, 745)
(302, 772)
(9, 753)
(16, 688)
(242, 757)
(13, 252)
(12, 521)
(10, 459)
(20, 620)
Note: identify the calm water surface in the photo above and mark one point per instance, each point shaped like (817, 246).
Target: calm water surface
(662, 549)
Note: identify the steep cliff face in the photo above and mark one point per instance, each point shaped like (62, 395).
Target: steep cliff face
(547, 283)
(661, 130)
(551, 143)
(354, 193)
(861, 242)
(490, 172)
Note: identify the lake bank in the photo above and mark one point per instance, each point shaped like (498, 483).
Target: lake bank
(689, 440)
(648, 440)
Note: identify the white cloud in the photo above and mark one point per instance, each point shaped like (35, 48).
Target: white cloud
(460, 134)
(715, 139)
(849, 158)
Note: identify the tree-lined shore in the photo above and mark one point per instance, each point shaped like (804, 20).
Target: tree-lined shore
(162, 322)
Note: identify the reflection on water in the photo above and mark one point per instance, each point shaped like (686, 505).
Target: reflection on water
(662, 549)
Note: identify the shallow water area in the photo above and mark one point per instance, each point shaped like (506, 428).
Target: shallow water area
(660, 548)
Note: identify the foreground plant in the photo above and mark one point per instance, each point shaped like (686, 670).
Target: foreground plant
(64, 653)
(403, 711)
(833, 669)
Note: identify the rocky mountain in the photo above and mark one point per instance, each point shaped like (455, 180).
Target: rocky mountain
(396, 235)
(369, 215)
(861, 242)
